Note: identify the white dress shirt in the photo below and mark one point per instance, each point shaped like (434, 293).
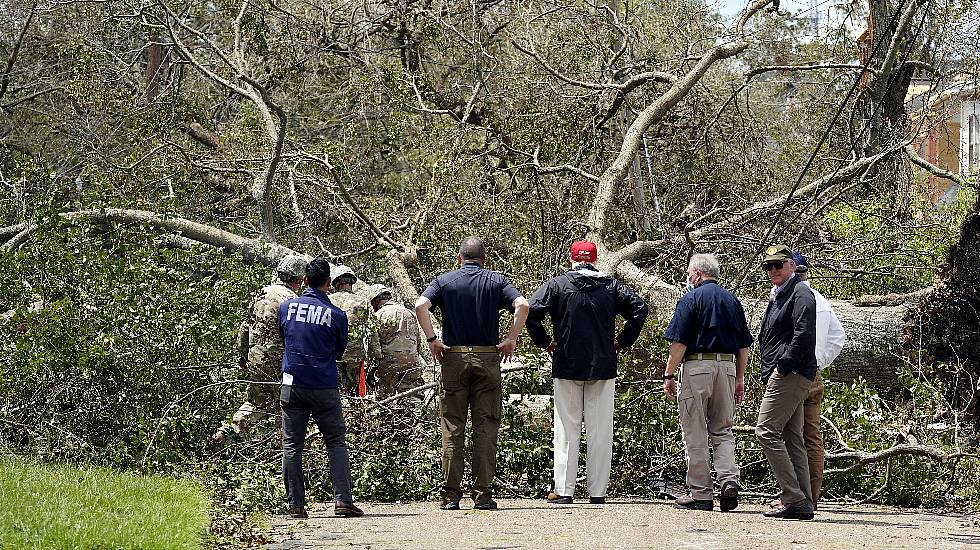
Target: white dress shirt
(830, 333)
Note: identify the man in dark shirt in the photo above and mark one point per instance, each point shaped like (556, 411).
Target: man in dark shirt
(314, 334)
(470, 352)
(787, 342)
(709, 335)
(583, 304)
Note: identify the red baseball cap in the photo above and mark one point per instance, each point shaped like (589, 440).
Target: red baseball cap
(584, 251)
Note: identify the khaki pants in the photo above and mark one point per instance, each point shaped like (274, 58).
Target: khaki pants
(594, 399)
(705, 406)
(779, 430)
(812, 437)
(470, 382)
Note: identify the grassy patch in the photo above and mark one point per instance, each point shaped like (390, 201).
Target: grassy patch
(58, 506)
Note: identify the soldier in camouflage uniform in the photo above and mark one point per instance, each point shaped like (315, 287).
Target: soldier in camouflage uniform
(362, 343)
(260, 347)
(398, 333)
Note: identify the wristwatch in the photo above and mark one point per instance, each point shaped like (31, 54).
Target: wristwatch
(668, 376)
(433, 339)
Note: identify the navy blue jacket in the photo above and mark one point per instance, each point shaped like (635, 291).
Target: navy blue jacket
(709, 319)
(471, 298)
(583, 304)
(788, 336)
(314, 333)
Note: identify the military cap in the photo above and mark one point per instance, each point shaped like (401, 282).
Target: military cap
(339, 270)
(778, 252)
(294, 266)
(376, 290)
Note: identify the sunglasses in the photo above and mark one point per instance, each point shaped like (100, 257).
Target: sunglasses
(777, 264)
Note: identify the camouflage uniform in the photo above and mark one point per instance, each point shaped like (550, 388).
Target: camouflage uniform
(362, 335)
(260, 343)
(398, 333)
(260, 350)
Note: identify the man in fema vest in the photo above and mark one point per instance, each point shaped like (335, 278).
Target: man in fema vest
(314, 335)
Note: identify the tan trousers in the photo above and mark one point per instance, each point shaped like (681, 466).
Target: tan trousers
(471, 382)
(705, 406)
(594, 399)
(812, 437)
(779, 430)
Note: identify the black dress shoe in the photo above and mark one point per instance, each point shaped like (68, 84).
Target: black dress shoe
(555, 498)
(597, 500)
(485, 505)
(799, 510)
(690, 503)
(729, 496)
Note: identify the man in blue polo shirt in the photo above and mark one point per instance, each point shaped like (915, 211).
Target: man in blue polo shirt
(470, 352)
(314, 335)
(709, 335)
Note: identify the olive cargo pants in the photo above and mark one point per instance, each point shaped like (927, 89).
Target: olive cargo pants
(470, 382)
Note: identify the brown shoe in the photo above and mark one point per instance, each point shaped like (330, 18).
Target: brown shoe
(297, 513)
(690, 503)
(347, 510)
(797, 510)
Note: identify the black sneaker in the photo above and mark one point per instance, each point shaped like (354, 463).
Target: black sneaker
(449, 505)
(729, 496)
(488, 504)
(597, 500)
(690, 503)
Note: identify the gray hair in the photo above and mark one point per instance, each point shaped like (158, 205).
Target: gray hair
(707, 264)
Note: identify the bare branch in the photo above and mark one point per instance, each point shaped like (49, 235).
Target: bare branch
(864, 458)
(933, 169)
(269, 253)
(768, 68)
(380, 235)
(5, 77)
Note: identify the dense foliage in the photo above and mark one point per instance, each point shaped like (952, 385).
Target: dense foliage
(369, 130)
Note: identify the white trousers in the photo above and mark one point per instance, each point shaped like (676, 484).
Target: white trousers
(594, 398)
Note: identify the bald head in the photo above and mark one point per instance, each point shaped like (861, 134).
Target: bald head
(472, 250)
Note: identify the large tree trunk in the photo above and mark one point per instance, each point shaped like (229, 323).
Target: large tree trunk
(873, 349)
(946, 324)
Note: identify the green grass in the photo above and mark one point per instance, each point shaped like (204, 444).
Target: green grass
(58, 506)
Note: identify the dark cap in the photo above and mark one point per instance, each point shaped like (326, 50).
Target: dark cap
(778, 252)
(801, 263)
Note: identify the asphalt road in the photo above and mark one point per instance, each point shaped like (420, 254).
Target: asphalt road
(525, 524)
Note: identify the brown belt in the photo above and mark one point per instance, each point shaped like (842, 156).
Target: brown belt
(710, 357)
(472, 349)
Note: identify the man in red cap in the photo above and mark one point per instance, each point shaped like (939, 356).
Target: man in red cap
(583, 304)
